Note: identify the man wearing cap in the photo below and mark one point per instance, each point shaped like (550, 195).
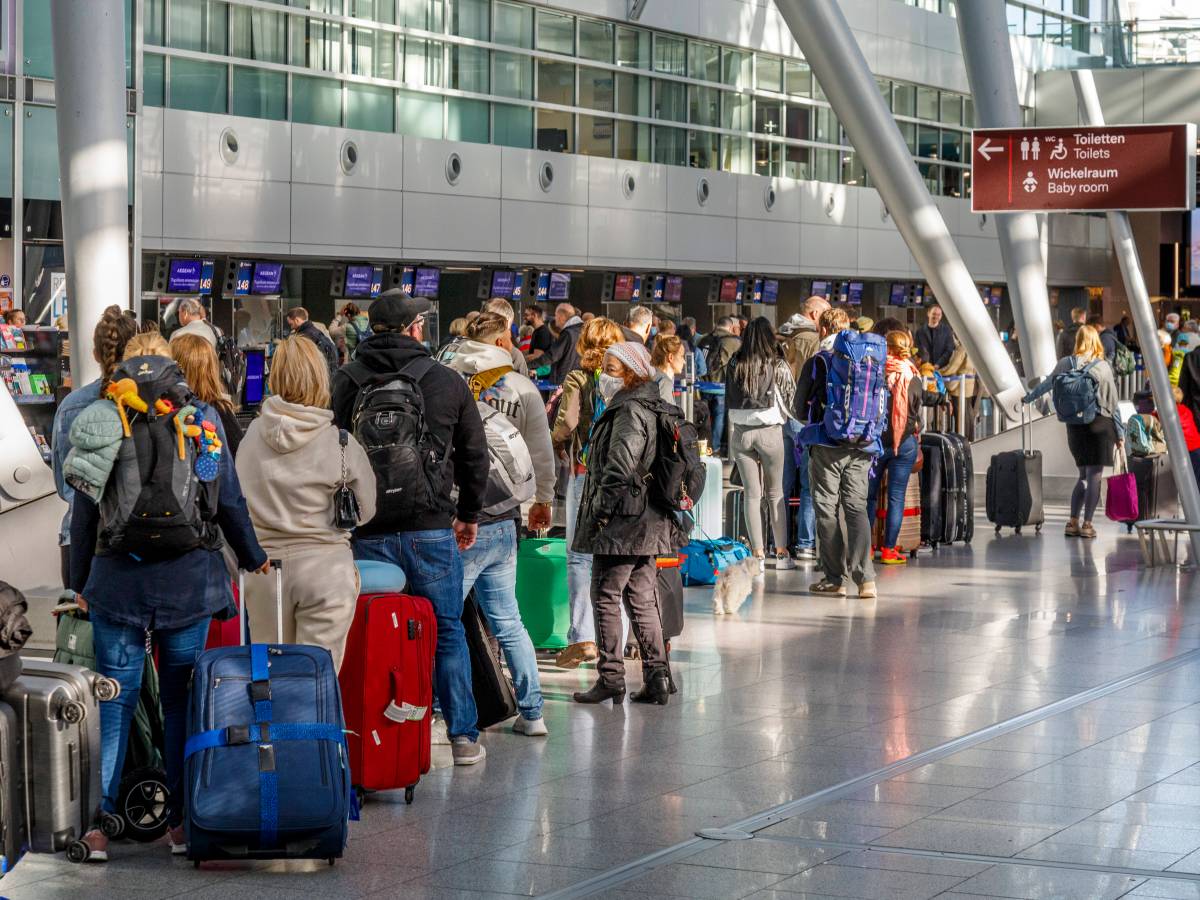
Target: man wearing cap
(427, 550)
(801, 342)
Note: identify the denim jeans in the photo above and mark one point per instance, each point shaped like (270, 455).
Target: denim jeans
(899, 468)
(121, 655)
(434, 568)
(491, 568)
(717, 407)
(793, 471)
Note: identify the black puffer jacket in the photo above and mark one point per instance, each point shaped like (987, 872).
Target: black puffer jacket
(615, 515)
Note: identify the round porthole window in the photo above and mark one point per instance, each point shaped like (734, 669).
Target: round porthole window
(349, 157)
(546, 176)
(628, 183)
(454, 167)
(769, 196)
(702, 191)
(229, 146)
(830, 205)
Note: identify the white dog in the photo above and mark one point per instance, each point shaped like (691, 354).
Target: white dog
(734, 585)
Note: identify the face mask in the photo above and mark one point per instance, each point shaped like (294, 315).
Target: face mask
(1171, 326)
(609, 385)
(653, 331)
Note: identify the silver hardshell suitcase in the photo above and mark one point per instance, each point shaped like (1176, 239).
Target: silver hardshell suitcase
(58, 707)
(13, 834)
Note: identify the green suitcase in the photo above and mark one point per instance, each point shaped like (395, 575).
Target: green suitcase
(542, 595)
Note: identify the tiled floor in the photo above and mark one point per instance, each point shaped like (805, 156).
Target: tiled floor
(792, 696)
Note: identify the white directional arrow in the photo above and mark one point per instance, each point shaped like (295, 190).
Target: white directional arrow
(987, 148)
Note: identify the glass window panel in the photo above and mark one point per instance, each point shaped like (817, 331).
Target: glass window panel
(512, 77)
(595, 136)
(769, 73)
(968, 112)
(316, 101)
(853, 172)
(909, 130)
(423, 62)
(555, 33)
(154, 80)
(373, 53)
(325, 6)
(555, 131)
(423, 14)
(927, 142)
(153, 16)
(512, 126)
(316, 44)
(797, 121)
(825, 166)
(818, 91)
(469, 19)
(419, 114)
(796, 163)
(1034, 23)
(904, 99)
(768, 158)
(633, 95)
(1016, 19)
(736, 112)
(595, 42)
(468, 120)
(952, 146)
(927, 104)
(736, 68)
(704, 106)
(469, 68)
(259, 35)
(259, 94)
(379, 10)
(39, 163)
(885, 90)
(670, 55)
(556, 83)
(737, 155)
(933, 177)
(198, 86)
(704, 149)
(825, 125)
(768, 117)
(513, 25)
(199, 25)
(633, 141)
(670, 146)
(633, 48)
(704, 61)
(952, 109)
(370, 108)
(670, 101)
(1055, 29)
(6, 150)
(797, 78)
(952, 181)
(595, 90)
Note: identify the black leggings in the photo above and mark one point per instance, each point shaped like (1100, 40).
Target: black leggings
(1086, 496)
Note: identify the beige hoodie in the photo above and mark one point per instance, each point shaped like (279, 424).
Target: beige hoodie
(289, 464)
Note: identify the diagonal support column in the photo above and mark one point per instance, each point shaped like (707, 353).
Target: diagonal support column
(983, 29)
(838, 64)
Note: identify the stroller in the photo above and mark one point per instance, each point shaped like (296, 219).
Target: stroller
(142, 797)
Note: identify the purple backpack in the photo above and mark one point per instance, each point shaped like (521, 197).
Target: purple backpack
(856, 388)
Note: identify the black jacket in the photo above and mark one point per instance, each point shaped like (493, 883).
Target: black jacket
(1109, 341)
(542, 339)
(1065, 344)
(776, 382)
(563, 358)
(450, 415)
(809, 403)
(1189, 382)
(936, 345)
(324, 344)
(615, 515)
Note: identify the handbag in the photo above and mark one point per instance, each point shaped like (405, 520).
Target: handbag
(345, 504)
(1121, 498)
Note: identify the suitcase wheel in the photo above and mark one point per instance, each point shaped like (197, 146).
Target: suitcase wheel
(1017, 530)
(408, 796)
(107, 689)
(332, 860)
(111, 825)
(74, 712)
(1037, 529)
(997, 531)
(78, 852)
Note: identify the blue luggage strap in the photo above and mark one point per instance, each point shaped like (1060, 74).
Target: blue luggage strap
(264, 733)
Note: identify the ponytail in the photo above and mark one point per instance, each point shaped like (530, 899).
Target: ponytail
(112, 333)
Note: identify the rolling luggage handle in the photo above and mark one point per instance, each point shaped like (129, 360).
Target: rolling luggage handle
(277, 565)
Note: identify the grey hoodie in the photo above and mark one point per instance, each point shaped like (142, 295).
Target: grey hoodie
(516, 397)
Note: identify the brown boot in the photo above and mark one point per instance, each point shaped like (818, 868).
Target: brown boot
(574, 655)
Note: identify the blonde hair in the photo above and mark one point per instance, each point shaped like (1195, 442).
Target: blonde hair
(834, 320)
(595, 338)
(487, 327)
(665, 348)
(148, 343)
(899, 343)
(458, 327)
(1177, 393)
(299, 373)
(1087, 343)
(198, 361)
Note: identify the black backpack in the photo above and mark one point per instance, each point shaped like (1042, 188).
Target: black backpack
(409, 463)
(155, 506)
(677, 472)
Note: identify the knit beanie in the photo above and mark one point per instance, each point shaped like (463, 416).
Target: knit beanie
(635, 357)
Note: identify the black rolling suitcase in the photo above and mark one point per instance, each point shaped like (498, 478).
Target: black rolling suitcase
(669, 593)
(495, 699)
(1014, 487)
(947, 497)
(14, 836)
(1147, 470)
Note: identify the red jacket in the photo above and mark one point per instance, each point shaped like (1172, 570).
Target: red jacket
(1190, 433)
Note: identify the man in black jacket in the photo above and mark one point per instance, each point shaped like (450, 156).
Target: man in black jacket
(935, 339)
(426, 550)
(297, 319)
(563, 358)
(1064, 344)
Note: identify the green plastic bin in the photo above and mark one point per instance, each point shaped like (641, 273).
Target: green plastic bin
(542, 595)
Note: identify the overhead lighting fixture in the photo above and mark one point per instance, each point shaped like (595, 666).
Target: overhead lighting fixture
(635, 9)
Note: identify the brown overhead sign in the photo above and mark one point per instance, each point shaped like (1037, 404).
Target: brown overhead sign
(1119, 167)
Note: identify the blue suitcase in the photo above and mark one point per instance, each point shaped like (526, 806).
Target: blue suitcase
(701, 560)
(267, 774)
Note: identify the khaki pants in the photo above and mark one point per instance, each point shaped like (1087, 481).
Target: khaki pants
(320, 592)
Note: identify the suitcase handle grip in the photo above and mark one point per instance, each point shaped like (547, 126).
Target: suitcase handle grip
(277, 565)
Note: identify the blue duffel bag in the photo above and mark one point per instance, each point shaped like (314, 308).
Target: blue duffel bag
(702, 560)
(266, 773)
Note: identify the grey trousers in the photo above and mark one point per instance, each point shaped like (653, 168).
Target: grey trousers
(628, 581)
(839, 477)
(751, 448)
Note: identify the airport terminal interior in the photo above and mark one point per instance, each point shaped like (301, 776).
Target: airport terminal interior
(994, 694)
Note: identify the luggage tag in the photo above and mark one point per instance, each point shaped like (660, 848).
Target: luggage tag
(405, 712)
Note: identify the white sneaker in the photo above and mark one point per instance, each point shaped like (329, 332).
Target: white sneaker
(466, 751)
(806, 553)
(784, 563)
(761, 564)
(530, 727)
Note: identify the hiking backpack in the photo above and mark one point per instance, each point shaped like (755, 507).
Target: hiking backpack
(856, 395)
(1075, 395)
(389, 423)
(160, 500)
(677, 472)
(1123, 362)
(511, 480)
(1145, 436)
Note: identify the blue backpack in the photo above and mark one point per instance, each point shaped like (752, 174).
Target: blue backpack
(856, 388)
(701, 560)
(1074, 394)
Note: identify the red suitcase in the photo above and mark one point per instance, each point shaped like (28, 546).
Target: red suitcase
(225, 633)
(387, 691)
